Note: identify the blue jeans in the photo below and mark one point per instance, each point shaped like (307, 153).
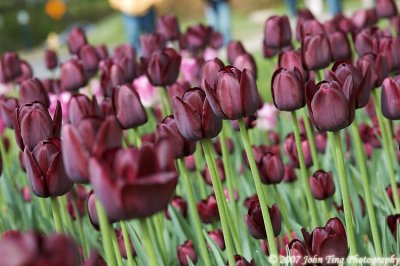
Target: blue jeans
(335, 6)
(136, 25)
(292, 7)
(218, 14)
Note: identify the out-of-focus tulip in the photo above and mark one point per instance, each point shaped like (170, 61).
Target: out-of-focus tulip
(51, 59)
(191, 69)
(163, 67)
(208, 210)
(326, 96)
(392, 222)
(389, 192)
(26, 72)
(32, 90)
(229, 144)
(89, 58)
(291, 60)
(7, 107)
(72, 75)
(216, 40)
(30, 248)
(169, 129)
(128, 108)
(367, 40)
(77, 201)
(390, 99)
(322, 185)
(268, 52)
(76, 39)
(125, 181)
(195, 38)
(178, 89)
(102, 51)
(10, 67)
(148, 94)
(267, 117)
(168, 27)
(291, 150)
(234, 49)
(309, 27)
(339, 46)
(246, 61)
(277, 32)
(255, 222)
(121, 244)
(386, 8)
(290, 175)
(150, 43)
(364, 18)
(110, 77)
(81, 107)
(218, 238)
(287, 89)
(271, 168)
(45, 169)
(379, 68)
(32, 124)
(186, 252)
(241, 261)
(95, 259)
(315, 52)
(194, 117)
(190, 163)
(180, 205)
(220, 169)
(26, 194)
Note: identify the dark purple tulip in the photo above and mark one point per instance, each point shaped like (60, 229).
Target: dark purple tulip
(234, 49)
(290, 175)
(234, 93)
(194, 117)
(168, 27)
(287, 89)
(89, 58)
(339, 46)
(163, 67)
(216, 40)
(124, 50)
(315, 52)
(50, 59)
(321, 141)
(31, 248)
(291, 150)
(271, 168)
(210, 72)
(379, 67)
(102, 51)
(92, 212)
(10, 67)
(220, 169)
(128, 108)
(389, 48)
(364, 18)
(268, 52)
(386, 8)
(291, 60)
(331, 26)
(127, 180)
(111, 76)
(389, 192)
(121, 244)
(208, 210)
(218, 238)
(90, 136)
(241, 261)
(255, 222)
(32, 90)
(180, 205)
(310, 27)
(169, 129)
(150, 43)
(246, 61)
(178, 89)
(195, 38)
(277, 32)
(370, 134)
(33, 123)
(322, 185)
(326, 96)
(76, 40)
(186, 252)
(229, 144)
(343, 23)
(81, 107)
(392, 222)
(26, 72)
(72, 75)
(129, 66)
(367, 40)
(95, 259)
(390, 99)
(7, 107)
(45, 169)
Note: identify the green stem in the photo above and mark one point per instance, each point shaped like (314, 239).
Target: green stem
(193, 210)
(44, 207)
(345, 192)
(303, 170)
(326, 209)
(56, 215)
(115, 244)
(387, 148)
(220, 199)
(136, 137)
(151, 255)
(105, 234)
(282, 207)
(361, 160)
(201, 185)
(260, 192)
(85, 244)
(311, 139)
(157, 220)
(64, 215)
(164, 98)
(127, 243)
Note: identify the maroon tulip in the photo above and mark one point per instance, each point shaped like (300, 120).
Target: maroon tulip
(364, 18)
(290, 174)
(291, 60)
(150, 43)
(102, 51)
(309, 27)
(288, 89)
(128, 108)
(51, 59)
(89, 58)
(126, 181)
(77, 201)
(229, 144)
(7, 107)
(32, 124)
(129, 67)
(291, 150)
(326, 96)
(195, 38)
(81, 107)
(186, 252)
(378, 65)
(76, 40)
(30, 248)
(392, 222)
(210, 72)
(255, 222)
(45, 169)
(315, 52)
(180, 205)
(386, 8)
(268, 52)
(234, 49)
(111, 76)
(208, 210)
(124, 50)
(168, 27)
(90, 136)
(10, 67)
(389, 48)
(339, 46)
(163, 67)
(322, 185)
(26, 72)
(169, 129)
(216, 40)
(271, 168)
(367, 40)
(121, 244)
(389, 192)
(92, 211)
(194, 117)
(234, 94)
(277, 32)
(218, 237)
(72, 75)
(241, 261)
(390, 99)
(32, 90)
(178, 89)
(95, 259)
(221, 172)
(246, 61)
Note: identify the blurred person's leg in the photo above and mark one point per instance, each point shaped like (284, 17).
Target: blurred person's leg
(211, 15)
(335, 6)
(224, 14)
(292, 7)
(132, 30)
(149, 21)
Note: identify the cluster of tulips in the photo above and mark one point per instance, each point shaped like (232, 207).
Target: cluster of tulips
(176, 157)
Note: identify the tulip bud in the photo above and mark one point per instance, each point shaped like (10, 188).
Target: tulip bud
(255, 222)
(208, 210)
(378, 67)
(121, 244)
(220, 169)
(271, 168)
(390, 99)
(89, 58)
(32, 90)
(10, 67)
(386, 8)
(51, 59)
(339, 46)
(110, 77)
(322, 185)
(195, 38)
(277, 32)
(163, 67)
(186, 252)
(95, 259)
(234, 49)
(246, 61)
(291, 60)
(315, 52)
(210, 72)
(389, 192)
(290, 174)
(72, 75)
(7, 107)
(309, 27)
(216, 40)
(268, 52)
(168, 27)
(76, 40)
(102, 52)
(150, 43)
(218, 238)
(180, 205)
(393, 222)
(26, 72)
(287, 89)
(291, 150)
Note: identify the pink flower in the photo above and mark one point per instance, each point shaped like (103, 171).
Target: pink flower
(267, 117)
(95, 89)
(64, 98)
(148, 93)
(190, 69)
(210, 54)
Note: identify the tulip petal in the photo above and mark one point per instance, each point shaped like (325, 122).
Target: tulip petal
(35, 176)
(57, 181)
(187, 119)
(108, 137)
(57, 120)
(334, 245)
(211, 124)
(248, 93)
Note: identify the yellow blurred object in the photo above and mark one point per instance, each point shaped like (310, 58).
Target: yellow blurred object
(55, 9)
(53, 41)
(133, 7)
